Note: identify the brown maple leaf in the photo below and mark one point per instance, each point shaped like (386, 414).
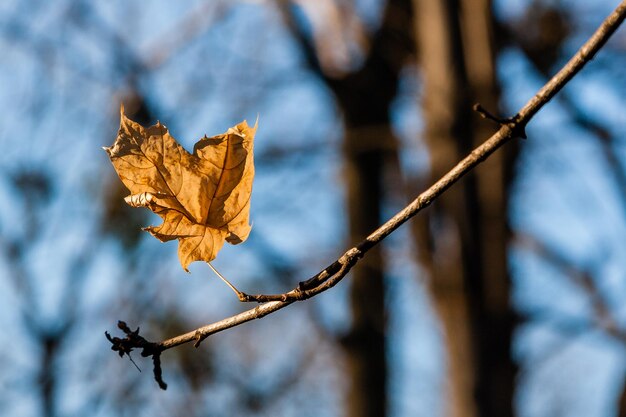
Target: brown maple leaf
(203, 198)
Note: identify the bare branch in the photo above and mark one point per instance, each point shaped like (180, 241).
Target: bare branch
(575, 64)
(327, 278)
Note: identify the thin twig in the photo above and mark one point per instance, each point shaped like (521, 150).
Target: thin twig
(241, 295)
(515, 127)
(486, 114)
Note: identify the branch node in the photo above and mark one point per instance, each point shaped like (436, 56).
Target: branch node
(486, 114)
(259, 313)
(517, 126)
(299, 294)
(350, 257)
(243, 297)
(198, 337)
(514, 123)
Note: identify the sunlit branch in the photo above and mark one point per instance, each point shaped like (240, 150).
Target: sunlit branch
(330, 276)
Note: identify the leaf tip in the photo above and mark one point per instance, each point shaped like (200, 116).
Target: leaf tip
(244, 130)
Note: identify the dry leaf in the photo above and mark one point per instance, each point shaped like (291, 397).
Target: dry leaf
(203, 198)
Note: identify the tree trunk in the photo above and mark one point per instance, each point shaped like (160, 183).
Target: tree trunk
(364, 345)
(365, 97)
(621, 402)
(464, 242)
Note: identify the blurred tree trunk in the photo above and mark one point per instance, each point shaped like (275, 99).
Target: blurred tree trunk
(365, 342)
(365, 97)
(621, 403)
(463, 238)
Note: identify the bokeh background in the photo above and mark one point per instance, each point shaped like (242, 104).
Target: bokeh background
(504, 298)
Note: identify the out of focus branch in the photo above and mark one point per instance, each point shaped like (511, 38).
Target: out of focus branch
(306, 46)
(602, 319)
(571, 327)
(327, 278)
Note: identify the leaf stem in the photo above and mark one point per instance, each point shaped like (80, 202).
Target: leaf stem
(241, 295)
